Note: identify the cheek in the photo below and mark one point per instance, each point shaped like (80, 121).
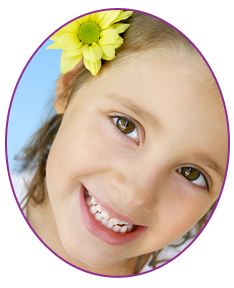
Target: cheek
(178, 209)
(81, 148)
(182, 209)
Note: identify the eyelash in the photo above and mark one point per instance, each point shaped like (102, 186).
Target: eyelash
(134, 135)
(192, 182)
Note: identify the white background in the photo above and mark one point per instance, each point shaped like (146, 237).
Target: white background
(24, 260)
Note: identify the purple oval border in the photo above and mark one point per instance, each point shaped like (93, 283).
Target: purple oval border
(228, 155)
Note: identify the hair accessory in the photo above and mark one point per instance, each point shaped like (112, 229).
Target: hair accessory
(92, 37)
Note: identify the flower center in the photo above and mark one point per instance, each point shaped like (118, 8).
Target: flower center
(89, 32)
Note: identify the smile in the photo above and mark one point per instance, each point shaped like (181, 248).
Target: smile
(105, 223)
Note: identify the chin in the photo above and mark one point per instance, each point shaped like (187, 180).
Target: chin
(93, 257)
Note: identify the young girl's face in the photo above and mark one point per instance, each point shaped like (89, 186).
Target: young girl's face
(147, 142)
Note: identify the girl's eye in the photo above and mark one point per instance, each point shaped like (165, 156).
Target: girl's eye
(195, 176)
(127, 127)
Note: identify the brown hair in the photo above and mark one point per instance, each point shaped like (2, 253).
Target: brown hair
(145, 32)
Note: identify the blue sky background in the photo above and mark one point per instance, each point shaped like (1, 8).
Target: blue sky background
(35, 88)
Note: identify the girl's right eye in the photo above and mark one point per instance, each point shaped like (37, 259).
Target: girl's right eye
(195, 176)
(127, 127)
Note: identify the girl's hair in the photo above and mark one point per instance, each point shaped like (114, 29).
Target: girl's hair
(145, 32)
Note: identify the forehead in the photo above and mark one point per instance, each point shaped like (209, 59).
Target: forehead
(148, 76)
(181, 95)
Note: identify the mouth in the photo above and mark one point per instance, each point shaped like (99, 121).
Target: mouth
(105, 223)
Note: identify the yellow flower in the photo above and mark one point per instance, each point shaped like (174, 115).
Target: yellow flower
(92, 37)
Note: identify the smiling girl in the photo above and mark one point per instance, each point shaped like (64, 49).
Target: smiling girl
(136, 156)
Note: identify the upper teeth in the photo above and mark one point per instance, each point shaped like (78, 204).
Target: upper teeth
(102, 216)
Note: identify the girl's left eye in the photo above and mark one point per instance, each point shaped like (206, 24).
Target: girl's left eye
(195, 176)
(127, 127)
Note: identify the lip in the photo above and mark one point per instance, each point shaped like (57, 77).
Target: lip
(105, 234)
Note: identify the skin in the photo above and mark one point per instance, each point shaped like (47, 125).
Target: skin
(138, 178)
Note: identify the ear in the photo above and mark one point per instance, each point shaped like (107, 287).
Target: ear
(60, 102)
(64, 86)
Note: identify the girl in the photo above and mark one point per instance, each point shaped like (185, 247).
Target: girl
(135, 158)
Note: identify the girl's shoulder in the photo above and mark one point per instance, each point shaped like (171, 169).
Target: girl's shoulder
(20, 184)
(167, 254)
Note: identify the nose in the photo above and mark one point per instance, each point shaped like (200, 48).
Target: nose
(139, 183)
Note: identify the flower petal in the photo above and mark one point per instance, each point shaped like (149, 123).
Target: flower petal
(120, 27)
(68, 63)
(96, 17)
(69, 42)
(118, 43)
(69, 28)
(56, 36)
(75, 52)
(108, 51)
(93, 67)
(109, 18)
(92, 53)
(108, 36)
(54, 45)
(124, 15)
(83, 19)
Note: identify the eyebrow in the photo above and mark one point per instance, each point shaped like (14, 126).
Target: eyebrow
(146, 116)
(212, 165)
